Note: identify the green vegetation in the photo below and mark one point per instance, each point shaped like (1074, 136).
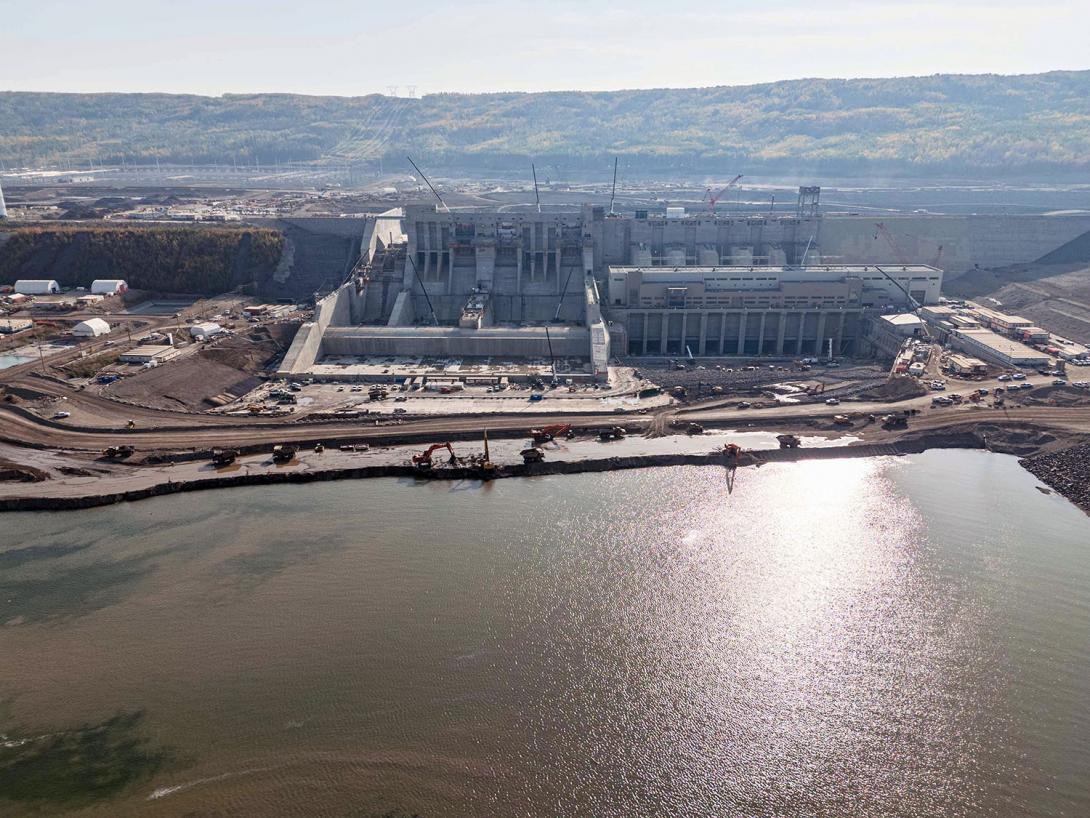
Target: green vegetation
(169, 259)
(913, 126)
(77, 767)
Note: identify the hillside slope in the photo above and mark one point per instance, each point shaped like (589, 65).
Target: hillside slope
(205, 260)
(961, 124)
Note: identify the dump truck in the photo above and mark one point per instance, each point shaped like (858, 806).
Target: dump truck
(547, 434)
(282, 453)
(789, 441)
(898, 420)
(532, 455)
(224, 457)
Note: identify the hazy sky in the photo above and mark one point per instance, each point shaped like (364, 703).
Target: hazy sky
(360, 47)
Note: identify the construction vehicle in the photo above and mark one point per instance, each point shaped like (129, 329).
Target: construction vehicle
(694, 429)
(224, 457)
(532, 455)
(712, 200)
(488, 469)
(282, 453)
(118, 452)
(319, 448)
(612, 433)
(789, 441)
(424, 459)
(842, 420)
(731, 451)
(897, 420)
(547, 434)
(131, 424)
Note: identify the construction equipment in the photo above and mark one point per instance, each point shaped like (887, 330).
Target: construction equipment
(488, 469)
(224, 457)
(131, 424)
(711, 200)
(898, 420)
(118, 452)
(282, 453)
(842, 420)
(547, 434)
(319, 448)
(694, 429)
(789, 441)
(424, 459)
(532, 455)
(612, 433)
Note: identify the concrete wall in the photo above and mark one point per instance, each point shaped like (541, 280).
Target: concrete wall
(965, 241)
(306, 347)
(490, 342)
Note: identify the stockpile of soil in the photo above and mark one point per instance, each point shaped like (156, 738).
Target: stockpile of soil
(1067, 471)
(229, 367)
(16, 472)
(895, 389)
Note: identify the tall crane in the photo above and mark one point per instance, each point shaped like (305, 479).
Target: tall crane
(711, 200)
(901, 257)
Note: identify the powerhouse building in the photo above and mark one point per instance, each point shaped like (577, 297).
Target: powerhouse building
(583, 283)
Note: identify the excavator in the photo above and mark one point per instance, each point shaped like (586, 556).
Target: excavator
(424, 461)
(547, 434)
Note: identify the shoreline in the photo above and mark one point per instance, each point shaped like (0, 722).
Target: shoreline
(759, 457)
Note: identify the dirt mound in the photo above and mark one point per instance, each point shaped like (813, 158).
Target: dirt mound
(895, 389)
(185, 385)
(246, 353)
(16, 472)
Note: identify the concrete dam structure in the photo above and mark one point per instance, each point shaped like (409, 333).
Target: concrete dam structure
(582, 283)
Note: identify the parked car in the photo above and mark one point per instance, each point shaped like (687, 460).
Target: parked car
(61, 415)
(1059, 382)
(1018, 376)
(832, 401)
(1003, 377)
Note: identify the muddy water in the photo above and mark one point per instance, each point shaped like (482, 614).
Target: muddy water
(866, 637)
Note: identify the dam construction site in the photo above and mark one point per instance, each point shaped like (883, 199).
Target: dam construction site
(466, 333)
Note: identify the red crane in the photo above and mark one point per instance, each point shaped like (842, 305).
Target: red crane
(711, 200)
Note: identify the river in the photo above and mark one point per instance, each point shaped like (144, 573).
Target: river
(872, 637)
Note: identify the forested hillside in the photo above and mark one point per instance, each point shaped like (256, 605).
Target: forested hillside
(913, 126)
(203, 260)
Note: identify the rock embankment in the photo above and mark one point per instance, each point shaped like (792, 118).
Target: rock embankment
(1067, 471)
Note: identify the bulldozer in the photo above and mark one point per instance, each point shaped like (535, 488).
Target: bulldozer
(423, 461)
(118, 452)
(789, 441)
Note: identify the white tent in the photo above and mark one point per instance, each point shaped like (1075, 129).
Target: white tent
(108, 286)
(91, 328)
(36, 286)
(205, 330)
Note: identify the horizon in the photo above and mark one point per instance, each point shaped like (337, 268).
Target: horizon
(345, 50)
(618, 90)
